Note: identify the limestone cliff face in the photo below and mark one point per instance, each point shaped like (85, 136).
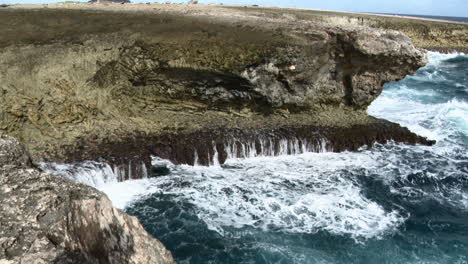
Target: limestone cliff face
(85, 84)
(48, 219)
(330, 66)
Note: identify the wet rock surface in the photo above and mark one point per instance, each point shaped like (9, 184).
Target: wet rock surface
(49, 219)
(214, 146)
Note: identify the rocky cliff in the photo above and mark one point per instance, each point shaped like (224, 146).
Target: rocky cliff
(430, 34)
(48, 219)
(191, 83)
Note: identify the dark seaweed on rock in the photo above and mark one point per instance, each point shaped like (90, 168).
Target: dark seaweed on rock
(87, 85)
(213, 146)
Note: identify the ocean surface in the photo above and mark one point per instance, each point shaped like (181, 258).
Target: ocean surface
(457, 19)
(449, 18)
(391, 203)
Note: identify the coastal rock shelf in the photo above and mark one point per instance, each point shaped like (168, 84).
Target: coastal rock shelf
(130, 158)
(183, 80)
(107, 88)
(50, 219)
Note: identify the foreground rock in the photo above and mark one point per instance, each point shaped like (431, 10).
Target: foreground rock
(49, 219)
(182, 79)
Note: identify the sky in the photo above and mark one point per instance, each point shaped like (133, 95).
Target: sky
(419, 7)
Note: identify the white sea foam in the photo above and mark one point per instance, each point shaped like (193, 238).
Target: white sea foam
(304, 193)
(408, 106)
(445, 121)
(104, 178)
(435, 121)
(292, 193)
(435, 58)
(92, 173)
(122, 193)
(314, 192)
(238, 148)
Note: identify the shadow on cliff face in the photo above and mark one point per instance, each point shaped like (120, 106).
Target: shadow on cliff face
(216, 90)
(82, 85)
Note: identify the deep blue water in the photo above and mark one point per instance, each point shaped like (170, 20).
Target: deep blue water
(391, 203)
(388, 204)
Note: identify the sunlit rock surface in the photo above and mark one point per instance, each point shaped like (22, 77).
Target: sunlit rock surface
(87, 84)
(49, 219)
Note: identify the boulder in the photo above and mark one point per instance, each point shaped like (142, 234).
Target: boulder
(48, 219)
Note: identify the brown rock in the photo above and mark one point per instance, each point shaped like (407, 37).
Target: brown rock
(91, 79)
(49, 219)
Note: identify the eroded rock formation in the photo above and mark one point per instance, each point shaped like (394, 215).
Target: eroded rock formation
(177, 80)
(48, 219)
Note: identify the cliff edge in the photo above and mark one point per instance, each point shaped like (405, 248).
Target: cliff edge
(192, 83)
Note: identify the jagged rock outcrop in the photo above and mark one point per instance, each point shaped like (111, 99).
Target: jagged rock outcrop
(331, 66)
(48, 219)
(86, 79)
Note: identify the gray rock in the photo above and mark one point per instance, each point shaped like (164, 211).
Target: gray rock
(48, 219)
(13, 154)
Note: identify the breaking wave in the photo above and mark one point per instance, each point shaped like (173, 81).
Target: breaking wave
(393, 203)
